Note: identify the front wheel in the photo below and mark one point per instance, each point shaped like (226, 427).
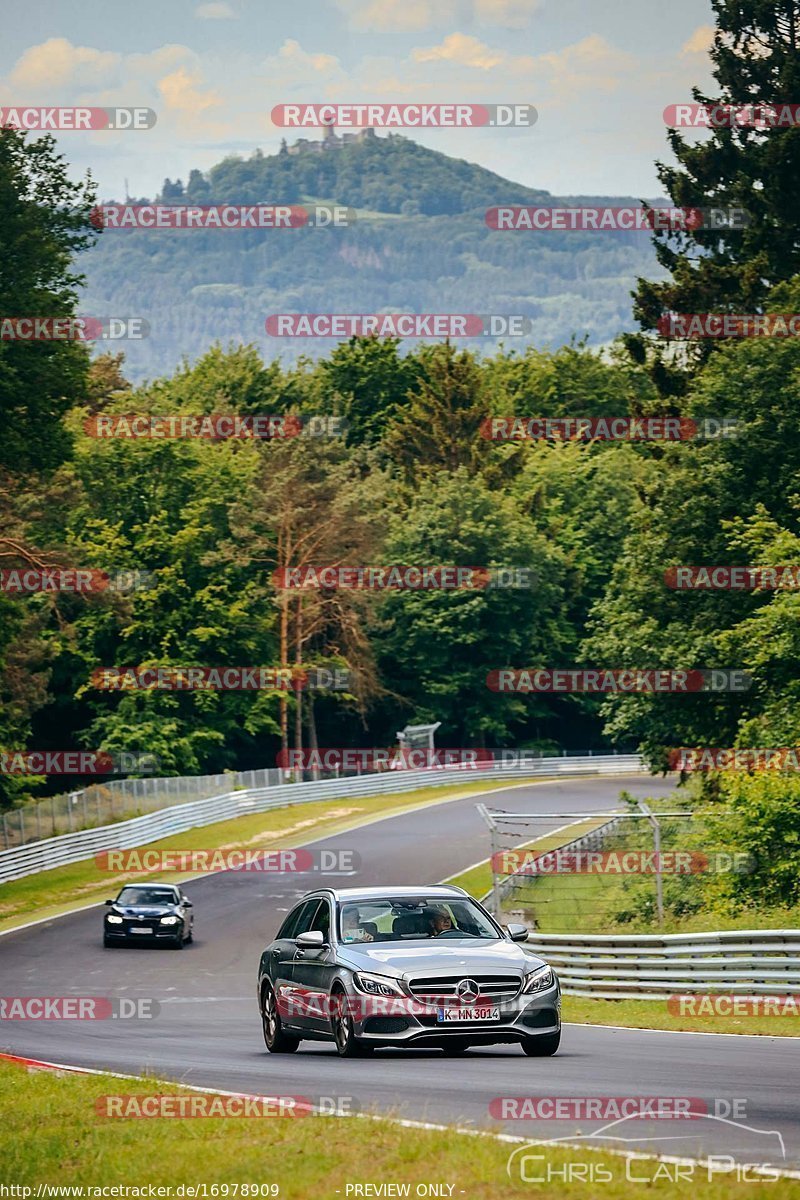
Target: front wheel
(276, 1041)
(542, 1047)
(344, 1034)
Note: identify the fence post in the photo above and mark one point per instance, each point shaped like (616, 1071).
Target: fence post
(657, 847)
(6, 843)
(53, 813)
(496, 898)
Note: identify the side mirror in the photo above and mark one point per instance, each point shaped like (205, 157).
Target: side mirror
(312, 940)
(109, 902)
(517, 933)
(187, 903)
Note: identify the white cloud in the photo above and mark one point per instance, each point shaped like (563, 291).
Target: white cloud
(57, 63)
(515, 14)
(462, 49)
(700, 42)
(592, 63)
(398, 16)
(215, 12)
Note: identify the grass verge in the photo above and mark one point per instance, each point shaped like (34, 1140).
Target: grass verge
(52, 1134)
(642, 1014)
(477, 880)
(50, 893)
(653, 1014)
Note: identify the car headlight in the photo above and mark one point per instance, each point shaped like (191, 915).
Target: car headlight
(539, 980)
(377, 985)
(169, 920)
(112, 920)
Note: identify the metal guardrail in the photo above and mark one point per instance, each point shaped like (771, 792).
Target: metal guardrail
(655, 966)
(125, 835)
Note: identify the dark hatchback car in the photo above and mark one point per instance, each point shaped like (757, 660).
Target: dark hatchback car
(149, 912)
(404, 966)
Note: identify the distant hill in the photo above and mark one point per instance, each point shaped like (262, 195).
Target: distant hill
(420, 244)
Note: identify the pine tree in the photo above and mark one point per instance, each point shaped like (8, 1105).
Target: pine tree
(756, 61)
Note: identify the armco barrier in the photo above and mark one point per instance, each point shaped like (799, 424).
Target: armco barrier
(125, 835)
(653, 967)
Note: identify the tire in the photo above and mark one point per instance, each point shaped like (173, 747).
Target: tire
(190, 938)
(276, 1041)
(542, 1047)
(178, 943)
(454, 1046)
(343, 1030)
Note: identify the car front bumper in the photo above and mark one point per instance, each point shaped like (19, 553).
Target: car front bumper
(399, 1024)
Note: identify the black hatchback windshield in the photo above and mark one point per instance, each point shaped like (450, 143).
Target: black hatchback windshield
(412, 919)
(146, 895)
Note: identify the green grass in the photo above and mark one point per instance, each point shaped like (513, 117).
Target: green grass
(640, 1014)
(49, 893)
(653, 1014)
(477, 880)
(51, 1134)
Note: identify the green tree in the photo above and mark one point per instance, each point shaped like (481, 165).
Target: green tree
(756, 57)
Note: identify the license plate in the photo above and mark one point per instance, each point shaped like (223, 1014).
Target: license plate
(141, 929)
(457, 1015)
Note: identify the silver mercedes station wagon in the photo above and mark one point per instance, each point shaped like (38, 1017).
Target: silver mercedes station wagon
(404, 966)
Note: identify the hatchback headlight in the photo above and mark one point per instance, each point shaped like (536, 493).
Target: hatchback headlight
(539, 980)
(377, 985)
(112, 920)
(169, 921)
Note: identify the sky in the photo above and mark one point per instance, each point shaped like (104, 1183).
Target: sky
(599, 72)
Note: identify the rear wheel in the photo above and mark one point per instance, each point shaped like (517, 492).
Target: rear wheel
(343, 1028)
(276, 1041)
(542, 1047)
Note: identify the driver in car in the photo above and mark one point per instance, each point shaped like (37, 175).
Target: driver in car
(441, 922)
(352, 931)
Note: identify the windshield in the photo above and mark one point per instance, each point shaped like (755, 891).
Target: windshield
(412, 919)
(145, 895)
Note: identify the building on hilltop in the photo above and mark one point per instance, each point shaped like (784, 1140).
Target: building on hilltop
(331, 140)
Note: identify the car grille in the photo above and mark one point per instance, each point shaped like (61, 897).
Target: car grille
(495, 986)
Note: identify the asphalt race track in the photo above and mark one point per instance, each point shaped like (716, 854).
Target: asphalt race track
(208, 1031)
